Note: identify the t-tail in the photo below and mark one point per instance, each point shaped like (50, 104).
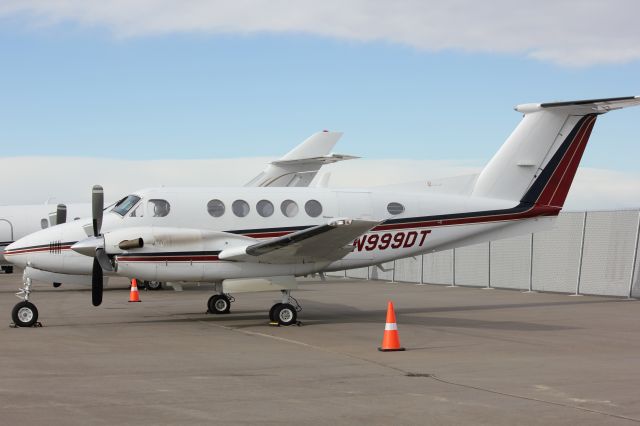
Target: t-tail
(539, 160)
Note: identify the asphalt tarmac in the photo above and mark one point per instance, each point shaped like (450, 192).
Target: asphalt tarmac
(474, 356)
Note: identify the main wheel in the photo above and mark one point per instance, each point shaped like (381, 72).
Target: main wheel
(153, 285)
(272, 312)
(286, 314)
(24, 314)
(8, 269)
(219, 304)
(56, 285)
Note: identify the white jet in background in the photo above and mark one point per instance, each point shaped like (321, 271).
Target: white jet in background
(262, 238)
(19, 221)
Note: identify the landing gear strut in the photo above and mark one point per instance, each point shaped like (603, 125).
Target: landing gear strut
(219, 303)
(285, 313)
(25, 313)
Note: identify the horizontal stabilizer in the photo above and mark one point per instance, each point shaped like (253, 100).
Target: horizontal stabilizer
(299, 166)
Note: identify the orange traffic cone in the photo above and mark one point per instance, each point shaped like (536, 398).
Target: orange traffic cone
(134, 295)
(391, 339)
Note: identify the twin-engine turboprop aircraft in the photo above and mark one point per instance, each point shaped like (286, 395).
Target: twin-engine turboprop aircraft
(262, 237)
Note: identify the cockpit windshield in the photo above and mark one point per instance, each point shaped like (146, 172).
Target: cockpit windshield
(126, 204)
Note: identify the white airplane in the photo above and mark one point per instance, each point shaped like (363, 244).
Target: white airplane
(261, 238)
(19, 221)
(296, 168)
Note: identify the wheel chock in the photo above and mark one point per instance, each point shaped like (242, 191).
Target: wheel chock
(277, 324)
(36, 324)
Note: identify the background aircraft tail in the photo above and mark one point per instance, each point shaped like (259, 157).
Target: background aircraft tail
(538, 162)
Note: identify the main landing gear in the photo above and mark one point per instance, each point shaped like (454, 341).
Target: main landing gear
(25, 313)
(219, 303)
(152, 285)
(285, 313)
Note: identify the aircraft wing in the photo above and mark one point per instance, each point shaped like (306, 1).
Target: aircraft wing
(322, 243)
(299, 166)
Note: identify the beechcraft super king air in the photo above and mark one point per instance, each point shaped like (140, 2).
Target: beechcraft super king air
(261, 236)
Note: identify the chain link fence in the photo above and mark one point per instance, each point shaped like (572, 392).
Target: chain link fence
(593, 253)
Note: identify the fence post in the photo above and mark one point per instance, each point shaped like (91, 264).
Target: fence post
(530, 265)
(635, 258)
(488, 287)
(584, 228)
(453, 268)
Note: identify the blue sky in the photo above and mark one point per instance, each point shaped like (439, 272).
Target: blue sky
(84, 90)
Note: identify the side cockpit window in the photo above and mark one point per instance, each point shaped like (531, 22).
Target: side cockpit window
(138, 211)
(123, 206)
(159, 208)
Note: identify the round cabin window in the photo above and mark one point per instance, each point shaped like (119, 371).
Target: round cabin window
(215, 208)
(289, 208)
(313, 208)
(395, 208)
(240, 208)
(265, 208)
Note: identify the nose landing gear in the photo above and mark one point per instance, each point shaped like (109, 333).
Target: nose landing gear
(25, 313)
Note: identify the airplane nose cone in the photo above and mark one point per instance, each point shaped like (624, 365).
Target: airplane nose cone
(88, 246)
(11, 253)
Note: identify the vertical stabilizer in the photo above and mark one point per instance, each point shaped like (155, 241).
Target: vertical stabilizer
(537, 163)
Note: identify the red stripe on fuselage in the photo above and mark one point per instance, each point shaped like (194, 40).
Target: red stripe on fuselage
(34, 250)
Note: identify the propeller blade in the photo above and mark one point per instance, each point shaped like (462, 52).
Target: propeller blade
(97, 206)
(96, 283)
(103, 260)
(61, 214)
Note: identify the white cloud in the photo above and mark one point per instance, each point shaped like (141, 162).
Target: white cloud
(69, 179)
(569, 32)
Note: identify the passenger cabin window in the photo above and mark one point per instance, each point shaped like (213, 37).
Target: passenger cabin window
(240, 208)
(123, 206)
(313, 208)
(215, 208)
(265, 208)
(289, 208)
(159, 208)
(395, 208)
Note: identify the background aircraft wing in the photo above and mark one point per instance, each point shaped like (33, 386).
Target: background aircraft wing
(300, 165)
(322, 243)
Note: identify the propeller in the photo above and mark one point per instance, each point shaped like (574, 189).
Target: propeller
(97, 278)
(61, 214)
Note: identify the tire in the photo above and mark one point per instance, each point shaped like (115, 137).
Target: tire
(219, 304)
(286, 314)
(272, 312)
(7, 269)
(153, 285)
(56, 285)
(24, 314)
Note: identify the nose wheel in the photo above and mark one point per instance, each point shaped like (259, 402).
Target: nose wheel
(24, 314)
